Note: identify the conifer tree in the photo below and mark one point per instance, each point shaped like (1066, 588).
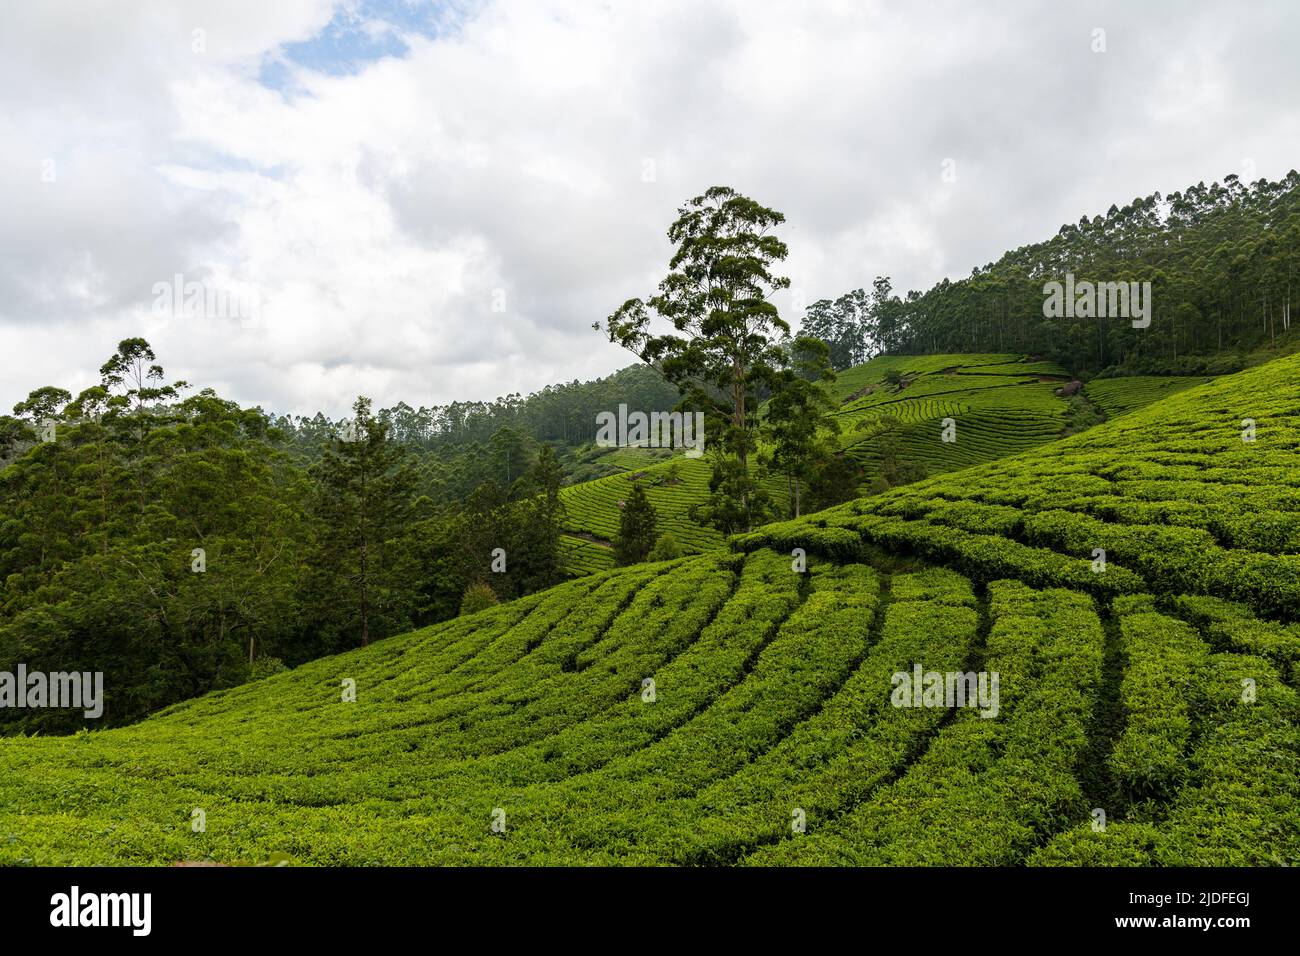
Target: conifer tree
(364, 506)
(636, 528)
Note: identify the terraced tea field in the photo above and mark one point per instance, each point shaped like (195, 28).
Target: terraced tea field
(724, 709)
(593, 508)
(584, 556)
(1001, 404)
(1115, 396)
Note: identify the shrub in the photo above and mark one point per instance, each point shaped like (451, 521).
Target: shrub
(266, 667)
(1165, 658)
(477, 597)
(666, 548)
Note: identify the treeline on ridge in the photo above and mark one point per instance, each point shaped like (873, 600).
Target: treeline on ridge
(1223, 261)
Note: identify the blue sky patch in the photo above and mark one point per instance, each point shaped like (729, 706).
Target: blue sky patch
(360, 33)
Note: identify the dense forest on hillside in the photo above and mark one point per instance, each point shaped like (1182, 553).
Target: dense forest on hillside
(1223, 261)
(464, 444)
(179, 543)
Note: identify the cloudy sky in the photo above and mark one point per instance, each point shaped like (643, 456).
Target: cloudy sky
(434, 200)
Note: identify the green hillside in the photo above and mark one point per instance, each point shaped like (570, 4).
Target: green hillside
(1002, 404)
(675, 486)
(1115, 396)
(1123, 688)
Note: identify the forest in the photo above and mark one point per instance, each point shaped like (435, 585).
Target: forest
(180, 543)
(1223, 261)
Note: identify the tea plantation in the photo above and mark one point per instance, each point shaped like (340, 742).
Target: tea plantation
(1115, 396)
(999, 404)
(1136, 587)
(1003, 402)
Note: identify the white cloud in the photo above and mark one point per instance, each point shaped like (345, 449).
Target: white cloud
(383, 213)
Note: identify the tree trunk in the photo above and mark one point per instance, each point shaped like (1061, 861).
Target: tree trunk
(365, 597)
(738, 422)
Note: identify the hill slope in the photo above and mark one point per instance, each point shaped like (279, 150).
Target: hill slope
(1116, 396)
(1121, 689)
(1003, 402)
(1000, 403)
(593, 508)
